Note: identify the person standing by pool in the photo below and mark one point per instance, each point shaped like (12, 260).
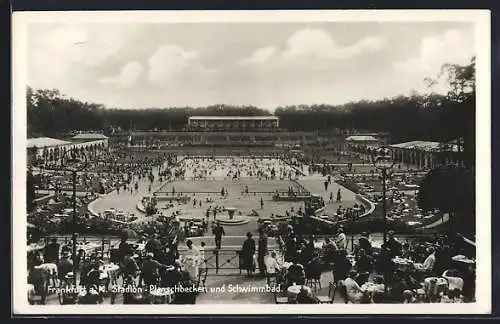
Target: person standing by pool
(191, 259)
(341, 239)
(218, 232)
(247, 254)
(262, 251)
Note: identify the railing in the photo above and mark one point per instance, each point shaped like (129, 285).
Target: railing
(226, 260)
(102, 246)
(223, 259)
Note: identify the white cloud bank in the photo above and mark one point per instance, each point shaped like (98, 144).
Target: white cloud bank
(259, 56)
(101, 63)
(54, 53)
(452, 46)
(312, 43)
(127, 77)
(168, 62)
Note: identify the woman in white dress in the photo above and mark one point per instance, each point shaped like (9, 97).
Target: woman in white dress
(191, 260)
(355, 294)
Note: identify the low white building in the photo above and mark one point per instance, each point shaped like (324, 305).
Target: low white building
(89, 137)
(359, 143)
(51, 149)
(423, 154)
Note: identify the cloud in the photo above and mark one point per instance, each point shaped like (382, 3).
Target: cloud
(453, 46)
(259, 56)
(58, 54)
(127, 77)
(318, 44)
(312, 44)
(168, 62)
(281, 64)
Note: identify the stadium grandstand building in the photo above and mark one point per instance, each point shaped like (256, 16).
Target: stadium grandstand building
(233, 122)
(231, 131)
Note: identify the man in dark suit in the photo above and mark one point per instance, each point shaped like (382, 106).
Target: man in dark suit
(52, 252)
(218, 232)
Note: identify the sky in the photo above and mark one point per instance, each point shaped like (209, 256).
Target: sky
(142, 65)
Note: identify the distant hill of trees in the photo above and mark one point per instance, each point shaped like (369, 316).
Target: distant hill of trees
(434, 117)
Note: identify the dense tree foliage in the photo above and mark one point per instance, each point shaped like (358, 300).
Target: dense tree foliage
(50, 112)
(447, 188)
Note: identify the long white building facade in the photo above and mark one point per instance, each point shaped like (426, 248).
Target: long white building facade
(232, 122)
(424, 154)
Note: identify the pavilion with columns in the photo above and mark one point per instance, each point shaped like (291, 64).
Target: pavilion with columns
(424, 154)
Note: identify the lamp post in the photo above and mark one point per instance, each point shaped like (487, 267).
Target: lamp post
(383, 162)
(77, 164)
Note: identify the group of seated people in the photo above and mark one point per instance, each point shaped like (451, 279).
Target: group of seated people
(349, 213)
(159, 265)
(396, 272)
(55, 266)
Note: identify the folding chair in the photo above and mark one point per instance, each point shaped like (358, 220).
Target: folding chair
(332, 288)
(314, 282)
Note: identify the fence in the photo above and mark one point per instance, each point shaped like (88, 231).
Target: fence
(228, 259)
(223, 259)
(101, 246)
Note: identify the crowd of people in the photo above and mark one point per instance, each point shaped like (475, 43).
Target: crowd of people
(135, 270)
(439, 269)
(435, 270)
(56, 215)
(235, 168)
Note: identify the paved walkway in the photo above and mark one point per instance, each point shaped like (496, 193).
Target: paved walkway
(315, 185)
(238, 290)
(125, 200)
(438, 222)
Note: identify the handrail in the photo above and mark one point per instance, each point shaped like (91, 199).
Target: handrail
(366, 201)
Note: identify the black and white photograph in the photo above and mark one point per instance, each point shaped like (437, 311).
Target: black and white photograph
(248, 162)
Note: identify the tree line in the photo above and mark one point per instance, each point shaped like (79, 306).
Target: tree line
(433, 117)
